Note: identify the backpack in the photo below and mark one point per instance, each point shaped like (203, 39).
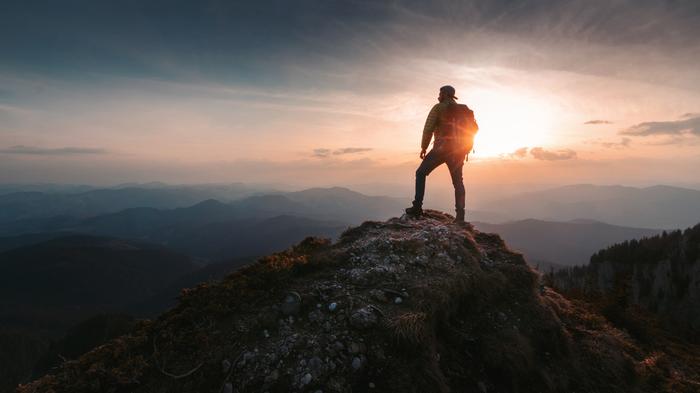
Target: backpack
(458, 124)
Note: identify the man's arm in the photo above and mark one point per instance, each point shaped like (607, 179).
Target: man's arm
(429, 128)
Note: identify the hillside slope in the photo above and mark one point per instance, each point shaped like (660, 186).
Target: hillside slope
(397, 306)
(52, 285)
(660, 274)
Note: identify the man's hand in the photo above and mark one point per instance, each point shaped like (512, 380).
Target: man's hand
(422, 154)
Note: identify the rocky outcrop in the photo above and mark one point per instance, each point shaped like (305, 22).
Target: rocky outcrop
(407, 305)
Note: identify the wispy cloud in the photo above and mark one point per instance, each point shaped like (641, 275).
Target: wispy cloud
(519, 153)
(624, 142)
(687, 126)
(596, 122)
(322, 153)
(39, 151)
(540, 153)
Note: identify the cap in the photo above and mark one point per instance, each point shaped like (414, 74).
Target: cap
(449, 91)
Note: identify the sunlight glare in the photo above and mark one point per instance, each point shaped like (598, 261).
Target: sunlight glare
(509, 120)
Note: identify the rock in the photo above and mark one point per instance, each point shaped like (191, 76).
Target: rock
(316, 365)
(356, 363)
(228, 387)
(291, 304)
(354, 348)
(398, 300)
(371, 385)
(332, 306)
(315, 316)
(364, 318)
(306, 379)
(272, 377)
(225, 366)
(378, 295)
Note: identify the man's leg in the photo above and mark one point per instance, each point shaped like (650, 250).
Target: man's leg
(455, 164)
(431, 161)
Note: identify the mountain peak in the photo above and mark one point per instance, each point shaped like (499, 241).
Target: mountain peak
(406, 305)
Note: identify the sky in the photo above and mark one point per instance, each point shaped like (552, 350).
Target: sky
(308, 93)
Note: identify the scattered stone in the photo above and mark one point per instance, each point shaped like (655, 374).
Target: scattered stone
(332, 306)
(371, 385)
(272, 377)
(316, 365)
(228, 387)
(315, 316)
(291, 304)
(354, 348)
(398, 300)
(364, 318)
(225, 366)
(306, 379)
(356, 363)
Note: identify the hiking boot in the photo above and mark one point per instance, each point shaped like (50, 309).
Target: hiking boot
(415, 211)
(459, 217)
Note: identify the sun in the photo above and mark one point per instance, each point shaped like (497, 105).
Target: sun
(510, 120)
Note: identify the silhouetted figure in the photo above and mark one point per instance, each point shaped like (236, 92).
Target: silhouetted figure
(454, 128)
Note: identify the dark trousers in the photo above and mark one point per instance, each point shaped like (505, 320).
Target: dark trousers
(432, 160)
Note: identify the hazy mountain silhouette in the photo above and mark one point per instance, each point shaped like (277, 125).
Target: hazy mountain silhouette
(652, 207)
(34, 204)
(549, 243)
(214, 230)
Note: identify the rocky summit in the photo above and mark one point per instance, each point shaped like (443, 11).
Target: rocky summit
(406, 305)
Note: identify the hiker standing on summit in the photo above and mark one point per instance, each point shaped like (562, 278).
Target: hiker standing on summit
(454, 128)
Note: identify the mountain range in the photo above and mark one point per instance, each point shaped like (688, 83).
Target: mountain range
(660, 206)
(549, 244)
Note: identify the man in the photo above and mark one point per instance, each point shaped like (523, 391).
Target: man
(449, 148)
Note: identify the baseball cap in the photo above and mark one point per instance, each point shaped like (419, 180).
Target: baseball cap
(448, 90)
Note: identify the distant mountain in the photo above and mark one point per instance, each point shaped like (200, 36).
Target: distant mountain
(651, 207)
(215, 230)
(556, 244)
(54, 284)
(27, 205)
(8, 188)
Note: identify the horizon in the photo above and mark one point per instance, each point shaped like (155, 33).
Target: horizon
(94, 92)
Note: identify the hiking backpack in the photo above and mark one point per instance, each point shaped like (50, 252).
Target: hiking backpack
(458, 124)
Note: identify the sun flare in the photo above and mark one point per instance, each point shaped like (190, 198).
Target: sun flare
(508, 121)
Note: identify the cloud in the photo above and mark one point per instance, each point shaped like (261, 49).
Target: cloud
(351, 150)
(548, 155)
(61, 151)
(687, 126)
(595, 122)
(322, 153)
(519, 153)
(690, 114)
(624, 142)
